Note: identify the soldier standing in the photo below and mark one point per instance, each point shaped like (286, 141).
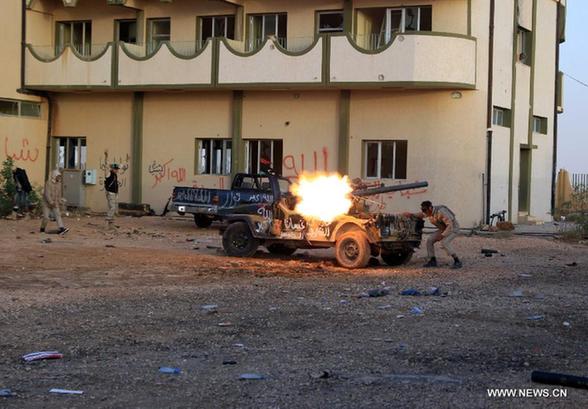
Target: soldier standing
(111, 187)
(51, 200)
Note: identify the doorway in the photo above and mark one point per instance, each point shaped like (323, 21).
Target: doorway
(524, 180)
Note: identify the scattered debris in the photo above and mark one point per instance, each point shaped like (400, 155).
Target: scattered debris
(110, 246)
(573, 264)
(524, 275)
(239, 345)
(229, 362)
(211, 247)
(566, 324)
(416, 311)
(66, 391)
(225, 324)
(517, 293)
(38, 356)
(47, 240)
(6, 393)
(343, 302)
(251, 377)
(378, 292)
(536, 317)
(210, 308)
(411, 292)
(489, 251)
(320, 375)
(408, 378)
(384, 307)
(170, 370)
(400, 316)
(432, 291)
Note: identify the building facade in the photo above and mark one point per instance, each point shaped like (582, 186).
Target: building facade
(460, 93)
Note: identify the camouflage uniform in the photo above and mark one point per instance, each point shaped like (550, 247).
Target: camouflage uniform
(444, 219)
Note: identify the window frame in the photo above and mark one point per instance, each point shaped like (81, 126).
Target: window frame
(379, 143)
(226, 18)
(542, 124)
(250, 41)
(81, 155)
(319, 13)
(60, 36)
(525, 46)
(388, 25)
(151, 43)
(248, 149)
(118, 22)
(18, 112)
(506, 117)
(226, 164)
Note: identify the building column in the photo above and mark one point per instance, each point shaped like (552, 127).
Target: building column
(344, 132)
(137, 148)
(238, 151)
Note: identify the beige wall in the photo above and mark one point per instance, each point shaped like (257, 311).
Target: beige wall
(446, 149)
(503, 42)
(171, 124)
(105, 121)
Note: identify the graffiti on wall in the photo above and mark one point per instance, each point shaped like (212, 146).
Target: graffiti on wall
(294, 165)
(165, 172)
(22, 153)
(104, 163)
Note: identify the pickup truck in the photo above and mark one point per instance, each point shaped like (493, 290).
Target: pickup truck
(248, 195)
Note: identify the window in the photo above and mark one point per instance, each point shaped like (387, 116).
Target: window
(31, 109)
(266, 25)
(159, 30)
(400, 20)
(217, 26)
(263, 155)
(9, 107)
(126, 31)
(20, 108)
(213, 156)
(501, 116)
(525, 46)
(385, 159)
(77, 34)
(71, 153)
(330, 21)
(540, 125)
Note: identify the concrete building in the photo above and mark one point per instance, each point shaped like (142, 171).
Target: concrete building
(461, 93)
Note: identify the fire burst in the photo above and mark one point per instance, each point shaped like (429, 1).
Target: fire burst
(323, 197)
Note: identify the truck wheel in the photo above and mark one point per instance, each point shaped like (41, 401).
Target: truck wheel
(396, 257)
(280, 249)
(353, 249)
(238, 240)
(202, 221)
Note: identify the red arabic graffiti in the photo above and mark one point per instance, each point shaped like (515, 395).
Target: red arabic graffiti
(25, 154)
(164, 172)
(320, 162)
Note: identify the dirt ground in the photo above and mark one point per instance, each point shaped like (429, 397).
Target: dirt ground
(120, 305)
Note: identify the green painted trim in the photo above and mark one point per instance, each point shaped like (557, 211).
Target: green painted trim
(141, 31)
(238, 158)
(532, 103)
(169, 47)
(215, 62)
(68, 87)
(527, 146)
(137, 148)
(513, 109)
(344, 132)
(469, 6)
(348, 16)
(403, 84)
(264, 44)
(326, 60)
(396, 35)
(114, 66)
(166, 87)
(78, 55)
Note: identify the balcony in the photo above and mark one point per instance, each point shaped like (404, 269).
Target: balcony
(270, 64)
(70, 67)
(416, 59)
(169, 65)
(409, 60)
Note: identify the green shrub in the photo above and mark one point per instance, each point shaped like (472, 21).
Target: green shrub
(7, 188)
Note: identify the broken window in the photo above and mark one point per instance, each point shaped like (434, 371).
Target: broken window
(264, 155)
(525, 46)
(71, 153)
(126, 31)
(501, 116)
(77, 34)
(159, 30)
(385, 159)
(213, 156)
(216, 26)
(330, 21)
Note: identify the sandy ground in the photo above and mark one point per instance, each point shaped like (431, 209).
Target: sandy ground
(119, 305)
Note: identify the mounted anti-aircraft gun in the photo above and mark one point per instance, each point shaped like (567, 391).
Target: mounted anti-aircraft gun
(355, 233)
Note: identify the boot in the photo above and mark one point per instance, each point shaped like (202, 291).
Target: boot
(456, 263)
(431, 263)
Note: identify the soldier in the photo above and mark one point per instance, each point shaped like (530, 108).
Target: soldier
(448, 228)
(111, 187)
(51, 201)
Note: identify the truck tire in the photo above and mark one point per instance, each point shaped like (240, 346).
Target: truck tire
(202, 221)
(238, 240)
(280, 249)
(353, 249)
(396, 257)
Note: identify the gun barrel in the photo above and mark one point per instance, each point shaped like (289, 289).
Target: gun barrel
(387, 189)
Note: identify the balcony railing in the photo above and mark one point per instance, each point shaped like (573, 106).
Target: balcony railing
(415, 59)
